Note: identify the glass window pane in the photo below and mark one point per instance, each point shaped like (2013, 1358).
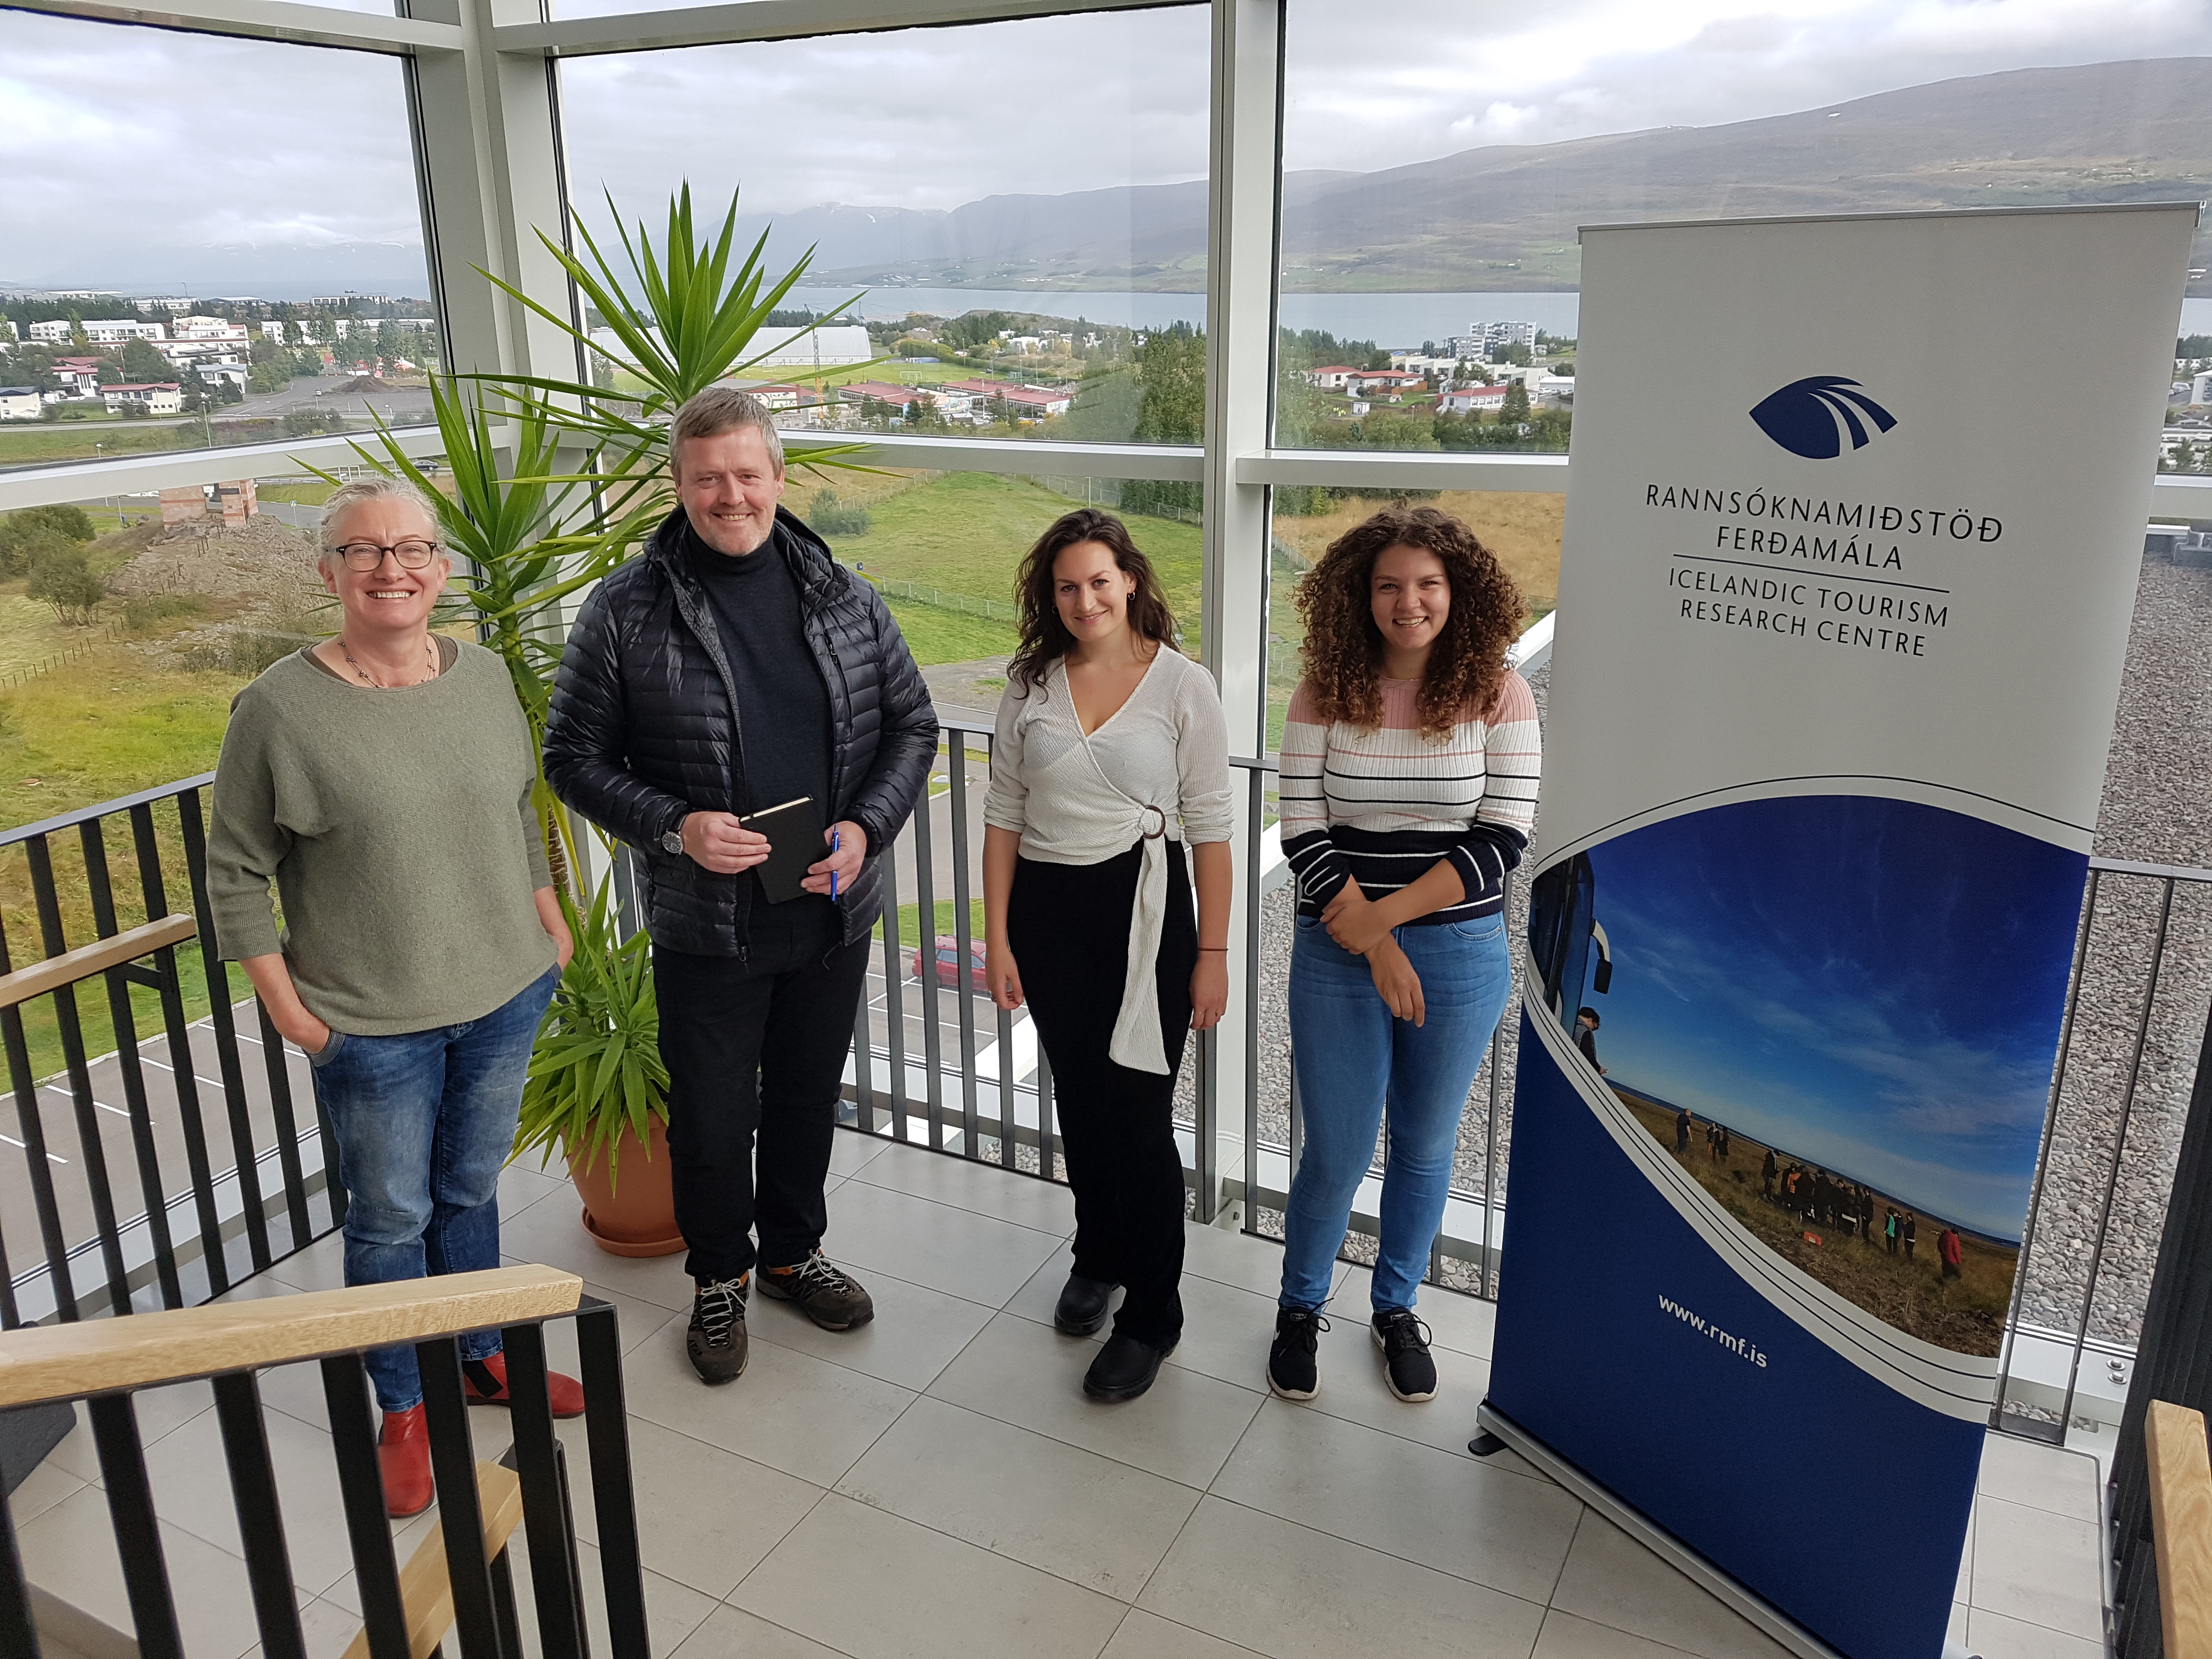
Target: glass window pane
(186, 271)
(1438, 157)
(1521, 528)
(1036, 277)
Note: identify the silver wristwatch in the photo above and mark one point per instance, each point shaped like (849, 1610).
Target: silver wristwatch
(673, 840)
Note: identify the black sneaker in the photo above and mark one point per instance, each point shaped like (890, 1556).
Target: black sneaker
(1406, 1363)
(833, 1300)
(716, 1340)
(1292, 1371)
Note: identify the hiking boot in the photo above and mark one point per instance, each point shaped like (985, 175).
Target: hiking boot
(1292, 1371)
(403, 1457)
(485, 1382)
(831, 1297)
(1407, 1366)
(716, 1339)
(1082, 1307)
(1125, 1368)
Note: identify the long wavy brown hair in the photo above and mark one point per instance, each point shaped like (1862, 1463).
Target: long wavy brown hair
(1343, 655)
(1045, 638)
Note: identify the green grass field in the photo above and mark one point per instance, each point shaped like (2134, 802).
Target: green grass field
(75, 440)
(966, 532)
(946, 913)
(936, 635)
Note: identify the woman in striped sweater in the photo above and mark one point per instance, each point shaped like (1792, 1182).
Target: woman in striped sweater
(1410, 762)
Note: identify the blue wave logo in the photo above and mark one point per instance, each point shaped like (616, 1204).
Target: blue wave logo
(1810, 417)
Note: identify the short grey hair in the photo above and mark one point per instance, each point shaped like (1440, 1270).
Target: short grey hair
(721, 408)
(375, 486)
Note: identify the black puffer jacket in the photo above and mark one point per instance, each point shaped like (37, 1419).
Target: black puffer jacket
(645, 727)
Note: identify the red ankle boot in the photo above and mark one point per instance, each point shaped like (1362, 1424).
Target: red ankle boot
(486, 1383)
(403, 1453)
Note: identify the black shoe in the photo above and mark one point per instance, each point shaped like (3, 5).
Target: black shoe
(1406, 1363)
(716, 1341)
(1082, 1307)
(829, 1296)
(1292, 1371)
(1125, 1368)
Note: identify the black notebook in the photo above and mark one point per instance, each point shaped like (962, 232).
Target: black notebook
(796, 843)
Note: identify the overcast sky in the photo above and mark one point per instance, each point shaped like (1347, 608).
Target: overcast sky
(197, 159)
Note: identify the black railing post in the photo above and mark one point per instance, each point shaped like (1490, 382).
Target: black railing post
(894, 1003)
(606, 1425)
(260, 1516)
(963, 934)
(461, 1509)
(925, 951)
(16, 1634)
(137, 1531)
(361, 1488)
(287, 1128)
(544, 1503)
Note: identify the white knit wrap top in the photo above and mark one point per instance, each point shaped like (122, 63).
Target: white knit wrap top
(1157, 769)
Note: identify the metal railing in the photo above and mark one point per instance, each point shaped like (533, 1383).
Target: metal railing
(254, 1182)
(462, 1577)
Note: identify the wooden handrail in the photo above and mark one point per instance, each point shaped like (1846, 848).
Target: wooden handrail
(97, 1356)
(96, 957)
(2181, 1527)
(426, 1585)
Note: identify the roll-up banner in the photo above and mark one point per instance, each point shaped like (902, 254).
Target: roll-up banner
(1849, 564)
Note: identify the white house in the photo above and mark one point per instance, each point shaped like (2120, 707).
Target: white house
(1334, 377)
(1473, 400)
(157, 397)
(113, 331)
(227, 368)
(20, 403)
(54, 328)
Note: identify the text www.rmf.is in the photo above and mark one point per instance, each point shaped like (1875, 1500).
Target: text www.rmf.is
(1742, 1348)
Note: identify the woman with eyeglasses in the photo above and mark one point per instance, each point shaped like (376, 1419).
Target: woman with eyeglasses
(381, 780)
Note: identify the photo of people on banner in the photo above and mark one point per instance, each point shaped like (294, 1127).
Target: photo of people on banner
(1885, 1147)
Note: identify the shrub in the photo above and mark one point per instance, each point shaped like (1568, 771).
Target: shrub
(40, 529)
(142, 611)
(64, 578)
(830, 517)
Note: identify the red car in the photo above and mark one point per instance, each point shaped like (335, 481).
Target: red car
(948, 965)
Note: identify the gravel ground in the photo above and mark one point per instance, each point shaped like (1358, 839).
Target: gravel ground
(2157, 808)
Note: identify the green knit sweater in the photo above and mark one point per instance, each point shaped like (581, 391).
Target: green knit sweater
(397, 827)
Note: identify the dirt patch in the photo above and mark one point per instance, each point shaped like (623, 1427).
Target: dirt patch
(265, 565)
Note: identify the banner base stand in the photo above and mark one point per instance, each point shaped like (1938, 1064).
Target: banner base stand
(1662, 1543)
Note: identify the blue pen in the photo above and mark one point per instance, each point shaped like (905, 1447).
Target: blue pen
(834, 838)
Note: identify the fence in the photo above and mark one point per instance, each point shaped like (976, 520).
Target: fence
(994, 610)
(91, 642)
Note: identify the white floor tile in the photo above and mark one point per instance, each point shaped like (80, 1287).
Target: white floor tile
(1352, 1387)
(2038, 1567)
(1292, 1593)
(1036, 1299)
(1234, 1258)
(789, 1410)
(159, 1412)
(915, 1333)
(1077, 1515)
(41, 1489)
(319, 1267)
(733, 1633)
(706, 1516)
(2042, 1477)
(1611, 1579)
(852, 1152)
(1565, 1636)
(1993, 1635)
(552, 1232)
(70, 1552)
(1020, 1372)
(1147, 1636)
(970, 1184)
(976, 1257)
(1404, 1499)
(877, 1587)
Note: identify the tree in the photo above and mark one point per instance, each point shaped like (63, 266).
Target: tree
(36, 530)
(141, 364)
(62, 577)
(1515, 409)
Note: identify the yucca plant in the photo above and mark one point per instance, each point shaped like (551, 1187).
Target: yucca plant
(596, 1077)
(683, 317)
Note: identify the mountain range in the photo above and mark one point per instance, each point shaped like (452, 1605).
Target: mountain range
(1504, 216)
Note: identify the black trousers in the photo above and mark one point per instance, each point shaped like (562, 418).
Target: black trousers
(755, 1048)
(1068, 926)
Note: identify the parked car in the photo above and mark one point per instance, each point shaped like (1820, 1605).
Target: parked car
(948, 965)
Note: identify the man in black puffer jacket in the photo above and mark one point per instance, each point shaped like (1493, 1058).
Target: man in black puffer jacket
(733, 667)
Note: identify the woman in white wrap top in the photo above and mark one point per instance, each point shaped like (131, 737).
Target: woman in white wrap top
(1110, 759)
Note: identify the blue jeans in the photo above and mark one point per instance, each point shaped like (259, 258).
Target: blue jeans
(1354, 1059)
(425, 1121)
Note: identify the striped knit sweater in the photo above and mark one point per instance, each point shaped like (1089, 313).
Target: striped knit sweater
(1384, 807)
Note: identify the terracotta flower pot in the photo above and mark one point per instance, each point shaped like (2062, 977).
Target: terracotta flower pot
(635, 1215)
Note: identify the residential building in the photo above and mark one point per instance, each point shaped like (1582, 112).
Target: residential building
(150, 306)
(157, 397)
(1473, 400)
(227, 369)
(1396, 382)
(109, 331)
(1335, 377)
(80, 376)
(1482, 340)
(21, 402)
(1026, 402)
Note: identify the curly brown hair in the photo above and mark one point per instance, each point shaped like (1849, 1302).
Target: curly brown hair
(1045, 638)
(1343, 654)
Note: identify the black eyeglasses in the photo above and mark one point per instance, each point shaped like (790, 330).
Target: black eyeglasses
(412, 554)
